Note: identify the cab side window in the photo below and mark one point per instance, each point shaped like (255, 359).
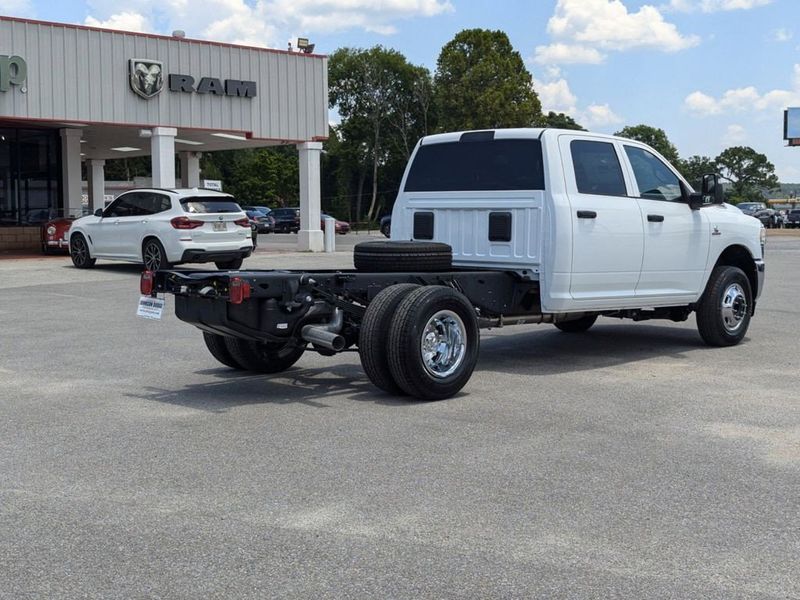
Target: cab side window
(654, 178)
(597, 168)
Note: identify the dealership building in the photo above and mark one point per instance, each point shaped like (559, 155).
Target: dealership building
(71, 94)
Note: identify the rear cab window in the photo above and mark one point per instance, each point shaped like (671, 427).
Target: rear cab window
(597, 168)
(209, 204)
(484, 165)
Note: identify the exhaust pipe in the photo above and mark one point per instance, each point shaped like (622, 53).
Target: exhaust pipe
(326, 335)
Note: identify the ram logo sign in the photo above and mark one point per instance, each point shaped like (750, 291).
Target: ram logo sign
(13, 71)
(146, 76)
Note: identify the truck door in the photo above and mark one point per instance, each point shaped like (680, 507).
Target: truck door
(676, 238)
(607, 232)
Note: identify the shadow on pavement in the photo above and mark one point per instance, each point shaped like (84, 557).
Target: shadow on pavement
(310, 387)
(543, 352)
(549, 351)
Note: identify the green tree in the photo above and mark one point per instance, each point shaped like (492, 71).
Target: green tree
(481, 83)
(383, 101)
(654, 137)
(125, 169)
(694, 167)
(750, 172)
(559, 121)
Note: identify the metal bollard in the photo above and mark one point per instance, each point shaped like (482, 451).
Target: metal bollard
(330, 234)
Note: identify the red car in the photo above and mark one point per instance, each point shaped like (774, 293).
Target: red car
(341, 226)
(55, 235)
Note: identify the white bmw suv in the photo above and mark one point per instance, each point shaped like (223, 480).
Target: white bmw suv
(161, 228)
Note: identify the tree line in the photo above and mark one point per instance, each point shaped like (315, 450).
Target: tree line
(385, 104)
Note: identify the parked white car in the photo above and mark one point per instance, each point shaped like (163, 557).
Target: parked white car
(164, 227)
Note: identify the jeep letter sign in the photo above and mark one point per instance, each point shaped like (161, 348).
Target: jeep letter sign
(13, 71)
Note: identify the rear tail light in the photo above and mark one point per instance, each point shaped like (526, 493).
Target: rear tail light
(146, 283)
(245, 222)
(185, 223)
(238, 290)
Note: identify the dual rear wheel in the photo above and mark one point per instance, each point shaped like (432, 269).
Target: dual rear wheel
(419, 341)
(246, 355)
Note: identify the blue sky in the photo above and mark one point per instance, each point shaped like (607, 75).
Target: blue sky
(712, 73)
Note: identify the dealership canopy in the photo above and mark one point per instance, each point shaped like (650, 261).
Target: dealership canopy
(71, 93)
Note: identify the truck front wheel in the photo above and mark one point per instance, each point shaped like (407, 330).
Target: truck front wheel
(433, 343)
(264, 357)
(723, 313)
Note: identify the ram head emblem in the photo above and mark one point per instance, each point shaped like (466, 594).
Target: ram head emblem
(147, 77)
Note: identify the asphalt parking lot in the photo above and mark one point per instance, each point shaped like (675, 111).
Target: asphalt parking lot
(628, 462)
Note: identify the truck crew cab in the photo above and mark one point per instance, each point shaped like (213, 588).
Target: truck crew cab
(495, 228)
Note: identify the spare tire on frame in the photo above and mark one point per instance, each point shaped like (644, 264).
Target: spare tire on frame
(388, 256)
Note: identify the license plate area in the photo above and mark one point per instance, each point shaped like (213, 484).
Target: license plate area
(220, 226)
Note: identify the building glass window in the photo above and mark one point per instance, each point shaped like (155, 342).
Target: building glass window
(29, 176)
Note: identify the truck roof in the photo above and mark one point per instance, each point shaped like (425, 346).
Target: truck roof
(510, 133)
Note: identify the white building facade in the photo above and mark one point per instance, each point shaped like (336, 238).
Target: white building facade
(71, 94)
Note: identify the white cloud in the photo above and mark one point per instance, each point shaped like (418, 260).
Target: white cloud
(125, 21)
(710, 6)
(746, 99)
(598, 115)
(555, 54)
(608, 25)
(266, 22)
(782, 35)
(337, 15)
(734, 135)
(701, 104)
(556, 96)
(18, 8)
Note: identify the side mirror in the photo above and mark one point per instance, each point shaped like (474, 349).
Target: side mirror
(693, 199)
(711, 189)
(98, 212)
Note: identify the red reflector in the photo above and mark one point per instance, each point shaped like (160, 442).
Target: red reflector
(185, 223)
(243, 222)
(146, 283)
(238, 290)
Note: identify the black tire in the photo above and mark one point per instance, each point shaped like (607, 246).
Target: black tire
(386, 230)
(79, 252)
(46, 248)
(373, 337)
(413, 322)
(263, 358)
(402, 257)
(577, 325)
(154, 256)
(724, 310)
(219, 350)
(230, 265)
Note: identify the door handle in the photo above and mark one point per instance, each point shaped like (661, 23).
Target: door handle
(587, 214)
(655, 218)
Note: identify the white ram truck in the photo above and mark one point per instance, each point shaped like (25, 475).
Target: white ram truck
(495, 228)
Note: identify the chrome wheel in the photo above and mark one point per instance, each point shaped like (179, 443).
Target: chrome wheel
(153, 258)
(444, 344)
(734, 307)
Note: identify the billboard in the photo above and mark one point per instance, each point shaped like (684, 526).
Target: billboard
(791, 124)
